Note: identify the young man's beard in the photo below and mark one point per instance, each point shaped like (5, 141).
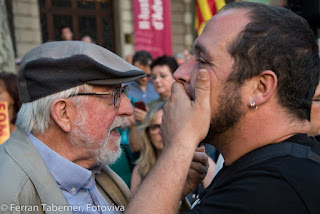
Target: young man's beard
(230, 110)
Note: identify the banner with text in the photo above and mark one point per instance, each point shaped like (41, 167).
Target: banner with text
(152, 26)
(4, 122)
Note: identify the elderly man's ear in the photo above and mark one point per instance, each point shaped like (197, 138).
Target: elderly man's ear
(61, 110)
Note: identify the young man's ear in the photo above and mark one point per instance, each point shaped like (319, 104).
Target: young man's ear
(264, 87)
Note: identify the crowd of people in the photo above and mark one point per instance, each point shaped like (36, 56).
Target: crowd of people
(231, 128)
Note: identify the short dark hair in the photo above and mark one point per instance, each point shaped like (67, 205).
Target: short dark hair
(143, 57)
(9, 81)
(64, 26)
(277, 39)
(165, 60)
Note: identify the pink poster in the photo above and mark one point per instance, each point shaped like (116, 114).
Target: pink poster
(152, 26)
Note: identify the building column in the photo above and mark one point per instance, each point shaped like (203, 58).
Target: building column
(6, 49)
(124, 23)
(26, 25)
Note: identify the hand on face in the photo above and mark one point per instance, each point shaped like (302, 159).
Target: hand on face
(187, 120)
(198, 170)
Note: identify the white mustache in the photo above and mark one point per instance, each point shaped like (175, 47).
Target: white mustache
(116, 123)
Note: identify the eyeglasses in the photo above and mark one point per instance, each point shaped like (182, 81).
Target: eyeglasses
(154, 129)
(116, 94)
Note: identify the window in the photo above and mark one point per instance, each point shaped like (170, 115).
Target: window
(85, 17)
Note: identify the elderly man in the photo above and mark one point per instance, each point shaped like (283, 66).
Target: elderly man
(252, 78)
(73, 103)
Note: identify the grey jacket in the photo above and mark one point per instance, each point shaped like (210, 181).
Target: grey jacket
(26, 181)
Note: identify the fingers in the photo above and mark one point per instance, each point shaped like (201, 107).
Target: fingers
(200, 149)
(202, 89)
(198, 170)
(200, 163)
(177, 89)
(139, 114)
(137, 110)
(200, 157)
(132, 120)
(184, 118)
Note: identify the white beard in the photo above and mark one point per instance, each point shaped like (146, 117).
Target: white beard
(106, 156)
(80, 139)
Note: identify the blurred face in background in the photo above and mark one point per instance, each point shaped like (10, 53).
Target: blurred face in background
(66, 34)
(154, 132)
(146, 68)
(315, 113)
(86, 39)
(162, 79)
(5, 97)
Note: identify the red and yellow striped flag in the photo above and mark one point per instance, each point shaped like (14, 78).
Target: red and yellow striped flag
(205, 9)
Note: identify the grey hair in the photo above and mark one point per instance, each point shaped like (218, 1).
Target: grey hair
(34, 117)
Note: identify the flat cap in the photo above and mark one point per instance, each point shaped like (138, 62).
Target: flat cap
(57, 66)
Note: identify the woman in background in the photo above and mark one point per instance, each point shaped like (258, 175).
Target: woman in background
(162, 69)
(151, 146)
(9, 94)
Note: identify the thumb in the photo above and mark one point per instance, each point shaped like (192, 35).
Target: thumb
(177, 90)
(202, 89)
(200, 149)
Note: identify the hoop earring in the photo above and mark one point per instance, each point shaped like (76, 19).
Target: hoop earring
(253, 105)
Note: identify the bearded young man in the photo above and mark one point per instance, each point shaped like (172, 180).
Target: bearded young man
(247, 90)
(58, 157)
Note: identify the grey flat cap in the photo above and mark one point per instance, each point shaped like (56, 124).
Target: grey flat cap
(57, 66)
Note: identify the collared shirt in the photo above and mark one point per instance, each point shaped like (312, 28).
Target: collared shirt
(76, 183)
(137, 94)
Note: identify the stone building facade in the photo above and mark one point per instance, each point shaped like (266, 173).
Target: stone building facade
(26, 24)
(27, 29)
